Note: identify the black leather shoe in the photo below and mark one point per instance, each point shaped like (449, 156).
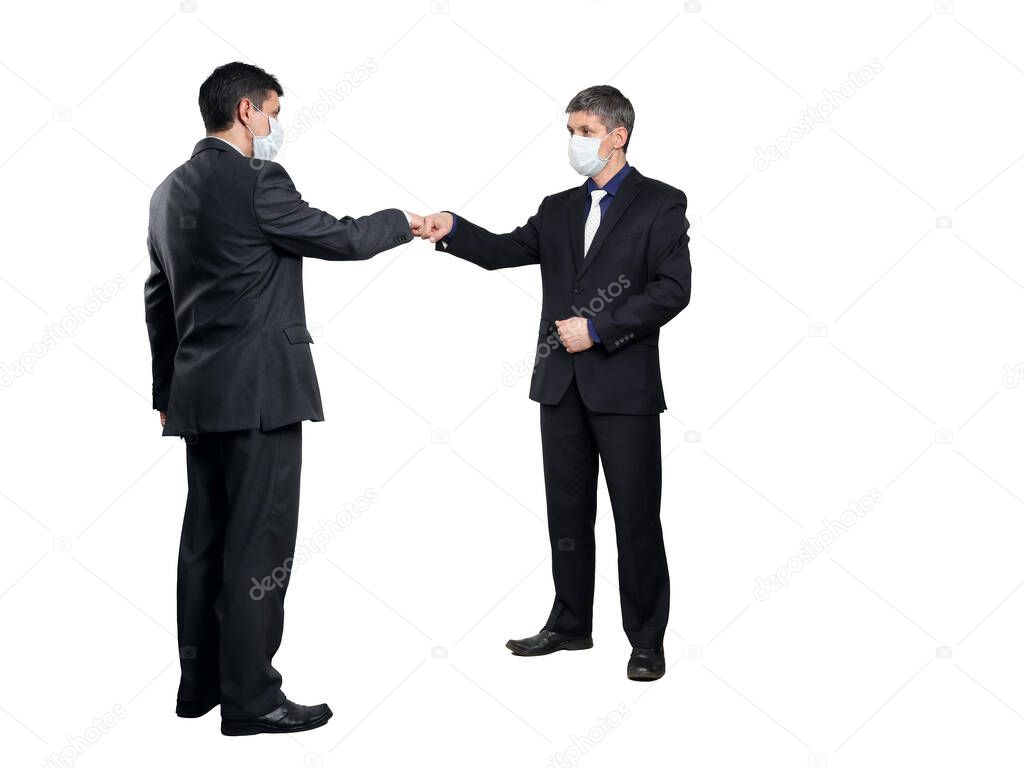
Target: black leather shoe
(195, 708)
(547, 641)
(287, 718)
(646, 664)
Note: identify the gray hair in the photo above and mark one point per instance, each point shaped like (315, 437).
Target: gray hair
(608, 103)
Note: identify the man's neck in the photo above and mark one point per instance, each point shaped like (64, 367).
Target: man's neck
(236, 137)
(616, 164)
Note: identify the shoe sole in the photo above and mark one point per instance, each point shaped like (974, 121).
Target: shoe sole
(251, 729)
(645, 677)
(580, 644)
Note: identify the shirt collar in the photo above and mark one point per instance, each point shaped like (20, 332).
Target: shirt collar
(613, 184)
(218, 138)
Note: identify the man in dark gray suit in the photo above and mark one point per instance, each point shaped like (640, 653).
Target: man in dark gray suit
(233, 375)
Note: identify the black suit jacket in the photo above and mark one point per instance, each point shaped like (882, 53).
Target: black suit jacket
(224, 303)
(635, 279)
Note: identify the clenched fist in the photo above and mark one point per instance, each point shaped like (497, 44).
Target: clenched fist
(574, 334)
(435, 227)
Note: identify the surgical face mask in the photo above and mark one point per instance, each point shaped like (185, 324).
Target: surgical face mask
(585, 154)
(266, 147)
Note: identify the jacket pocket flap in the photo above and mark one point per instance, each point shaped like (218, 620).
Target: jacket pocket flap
(298, 334)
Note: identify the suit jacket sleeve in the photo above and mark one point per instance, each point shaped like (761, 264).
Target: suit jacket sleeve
(163, 334)
(666, 294)
(517, 248)
(292, 225)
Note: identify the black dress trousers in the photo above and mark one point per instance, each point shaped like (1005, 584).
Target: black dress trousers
(573, 438)
(234, 564)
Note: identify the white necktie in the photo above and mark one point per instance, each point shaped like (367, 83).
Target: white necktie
(593, 219)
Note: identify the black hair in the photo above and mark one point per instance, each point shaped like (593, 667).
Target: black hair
(229, 84)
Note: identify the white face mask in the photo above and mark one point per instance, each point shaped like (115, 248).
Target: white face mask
(266, 147)
(585, 155)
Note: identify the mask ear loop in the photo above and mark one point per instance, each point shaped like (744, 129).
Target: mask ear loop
(606, 159)
(268, 122)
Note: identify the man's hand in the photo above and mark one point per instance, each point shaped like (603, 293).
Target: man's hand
(163, 418)
(574, 334)
(436, 226)
(415, 223)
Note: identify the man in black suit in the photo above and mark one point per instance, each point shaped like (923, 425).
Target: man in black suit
(615, 266)
(233, 375)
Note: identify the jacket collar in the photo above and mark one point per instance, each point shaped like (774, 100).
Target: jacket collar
(212, 142)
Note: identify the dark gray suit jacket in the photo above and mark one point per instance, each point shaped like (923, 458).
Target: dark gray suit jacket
(635, 279)
(224, 303)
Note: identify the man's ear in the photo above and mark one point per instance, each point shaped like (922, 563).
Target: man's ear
(243, 111)
(623, 134)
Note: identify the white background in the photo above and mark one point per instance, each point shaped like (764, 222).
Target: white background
(843, 336)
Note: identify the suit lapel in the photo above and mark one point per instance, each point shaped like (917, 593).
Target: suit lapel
(577, 218)
(620, 202)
